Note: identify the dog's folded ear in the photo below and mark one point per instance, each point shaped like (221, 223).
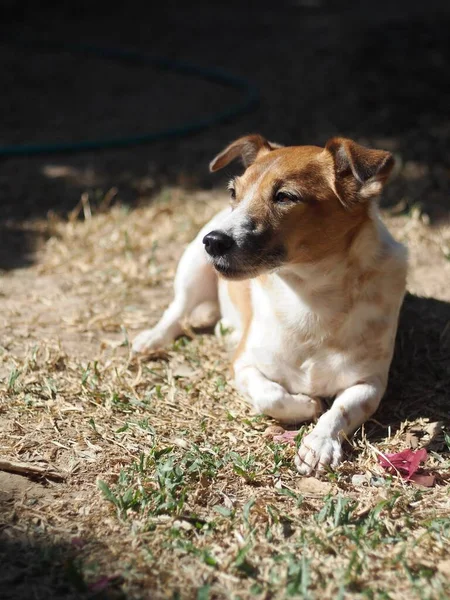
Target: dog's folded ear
(360, 173)
(247, 148)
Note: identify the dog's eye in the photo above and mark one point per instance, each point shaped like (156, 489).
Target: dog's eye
(284, 198)
(232, 189)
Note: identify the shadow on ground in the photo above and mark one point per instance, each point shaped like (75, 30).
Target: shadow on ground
(18, 246)
(37, 565)
(373, 71)
(34, 568)
(419, 383)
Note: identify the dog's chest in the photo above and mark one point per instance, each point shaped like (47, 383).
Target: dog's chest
(316, 353)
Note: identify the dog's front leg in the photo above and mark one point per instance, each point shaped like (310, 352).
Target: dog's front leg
(272, 399)
(323, 446)
(195, 283)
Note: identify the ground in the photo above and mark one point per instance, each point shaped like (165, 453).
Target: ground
(170, 486)
(158, 481)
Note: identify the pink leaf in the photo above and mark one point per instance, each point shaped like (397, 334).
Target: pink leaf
(287, 437)
(406, 462)
(424, 480)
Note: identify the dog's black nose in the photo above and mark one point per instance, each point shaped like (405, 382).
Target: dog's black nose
(217, 243)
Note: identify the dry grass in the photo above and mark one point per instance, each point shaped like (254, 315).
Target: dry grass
(171, 488)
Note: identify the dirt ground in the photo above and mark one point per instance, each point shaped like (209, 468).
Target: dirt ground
(76, 404)
(88, 248)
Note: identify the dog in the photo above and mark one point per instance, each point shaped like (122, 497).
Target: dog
(309, 278)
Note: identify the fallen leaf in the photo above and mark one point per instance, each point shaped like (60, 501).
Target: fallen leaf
(412, 440)
(287, 437)
(311, 485)
(424, 480)
(434, 429)
(272, 430)
(147, 355)
(183, 370)
(406, 462)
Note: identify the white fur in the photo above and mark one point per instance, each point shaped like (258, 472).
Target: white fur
(292, 357)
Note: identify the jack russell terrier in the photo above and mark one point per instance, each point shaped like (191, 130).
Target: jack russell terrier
(310, 280)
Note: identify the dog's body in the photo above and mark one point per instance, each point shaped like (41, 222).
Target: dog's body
(310, 280)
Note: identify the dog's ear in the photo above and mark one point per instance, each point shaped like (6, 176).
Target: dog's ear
(360, 173)
(247, 148)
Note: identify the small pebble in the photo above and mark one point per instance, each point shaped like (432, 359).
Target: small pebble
(359, 479)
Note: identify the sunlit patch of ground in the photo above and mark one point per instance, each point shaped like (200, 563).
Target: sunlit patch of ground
(169, 487)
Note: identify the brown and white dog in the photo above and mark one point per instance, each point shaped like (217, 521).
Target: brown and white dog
(310, 280)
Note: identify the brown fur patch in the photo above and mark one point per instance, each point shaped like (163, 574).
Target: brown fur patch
(377, 298)
(263, 280)
(356, 166)
(296, 204)
(368, 407)
(240, 296)
(345, 416)
(314, 226)
(369, 349)
(367, 275)
(376, 327)
(247, 148)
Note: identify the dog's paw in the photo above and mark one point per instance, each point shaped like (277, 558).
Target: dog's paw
(312, 407)
(278, 403)
(318, 451)
(148, 340)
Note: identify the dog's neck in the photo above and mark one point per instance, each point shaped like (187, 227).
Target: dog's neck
(324, 285)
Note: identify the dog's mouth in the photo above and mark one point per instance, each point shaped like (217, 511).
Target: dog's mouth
(243, 255)
(230, 268)
(231, 272)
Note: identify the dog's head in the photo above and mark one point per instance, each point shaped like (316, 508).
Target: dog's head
(293, 204)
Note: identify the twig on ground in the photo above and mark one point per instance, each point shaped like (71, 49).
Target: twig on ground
(29, 470)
